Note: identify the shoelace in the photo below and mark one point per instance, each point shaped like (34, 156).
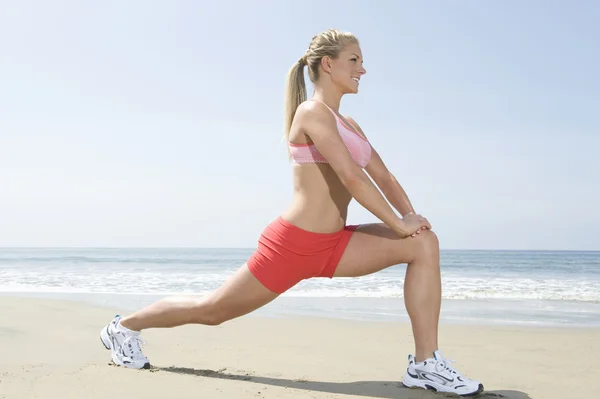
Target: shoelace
(134, 343)
(445, 365)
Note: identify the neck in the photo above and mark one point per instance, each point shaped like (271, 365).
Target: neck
(330, 97)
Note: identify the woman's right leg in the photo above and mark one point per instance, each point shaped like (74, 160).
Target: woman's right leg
(241, 294)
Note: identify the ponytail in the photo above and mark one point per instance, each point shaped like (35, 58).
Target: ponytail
(295, 93)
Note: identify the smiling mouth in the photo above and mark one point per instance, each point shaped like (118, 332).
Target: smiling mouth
(355, 79)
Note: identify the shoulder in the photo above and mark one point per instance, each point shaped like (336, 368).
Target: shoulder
(313, 109)
(313, 115)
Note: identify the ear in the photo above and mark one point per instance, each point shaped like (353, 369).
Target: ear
(326, 64)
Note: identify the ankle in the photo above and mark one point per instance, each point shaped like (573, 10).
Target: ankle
(421, 356)
(127, 324)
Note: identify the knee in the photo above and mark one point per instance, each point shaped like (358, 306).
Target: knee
(426, 245)
(214, 321)
(208, 313)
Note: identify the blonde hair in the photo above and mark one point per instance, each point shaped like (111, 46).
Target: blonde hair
(326, 44)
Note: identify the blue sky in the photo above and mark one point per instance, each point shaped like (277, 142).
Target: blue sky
(159, 123)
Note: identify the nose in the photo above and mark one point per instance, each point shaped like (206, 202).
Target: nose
(362, 70)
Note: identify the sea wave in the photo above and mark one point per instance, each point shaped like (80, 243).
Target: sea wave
(453, 288)
(465, 274)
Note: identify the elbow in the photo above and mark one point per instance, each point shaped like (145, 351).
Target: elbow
(353, 181)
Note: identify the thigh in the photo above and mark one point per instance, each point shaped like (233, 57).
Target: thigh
(374, 247)
(241, 293)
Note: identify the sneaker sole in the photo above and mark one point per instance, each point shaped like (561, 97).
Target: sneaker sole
(428, 385)
(104, 338)
(106, 341)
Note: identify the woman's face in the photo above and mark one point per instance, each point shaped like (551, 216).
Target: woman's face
(346, 70)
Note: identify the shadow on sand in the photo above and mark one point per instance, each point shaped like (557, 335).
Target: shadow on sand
(376, 389)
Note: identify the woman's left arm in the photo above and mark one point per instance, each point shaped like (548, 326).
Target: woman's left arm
(385, 180)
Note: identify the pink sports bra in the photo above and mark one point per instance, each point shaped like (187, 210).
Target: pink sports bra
(358, 146)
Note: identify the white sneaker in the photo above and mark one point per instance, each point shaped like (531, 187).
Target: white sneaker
(436, 374)
(124, 344)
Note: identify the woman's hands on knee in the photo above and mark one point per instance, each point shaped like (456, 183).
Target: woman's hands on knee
(416, 223)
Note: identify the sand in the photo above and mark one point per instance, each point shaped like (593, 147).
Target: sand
(52, 349)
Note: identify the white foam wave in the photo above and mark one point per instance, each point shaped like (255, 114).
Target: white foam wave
(453, 288)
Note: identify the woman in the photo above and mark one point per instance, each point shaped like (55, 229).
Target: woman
(330, 156)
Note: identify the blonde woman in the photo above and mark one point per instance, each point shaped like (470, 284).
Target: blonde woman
(332, 161)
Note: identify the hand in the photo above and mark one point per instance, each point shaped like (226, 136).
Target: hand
(415, 223)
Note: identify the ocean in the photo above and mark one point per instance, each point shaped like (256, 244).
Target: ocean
(529, 288)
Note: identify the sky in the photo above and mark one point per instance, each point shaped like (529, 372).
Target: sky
(159, 124)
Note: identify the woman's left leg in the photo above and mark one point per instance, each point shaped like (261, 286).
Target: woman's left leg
(374, 247)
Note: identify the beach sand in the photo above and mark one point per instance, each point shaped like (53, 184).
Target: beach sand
(52, 349)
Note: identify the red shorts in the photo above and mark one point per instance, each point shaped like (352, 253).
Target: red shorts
(287, 254)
